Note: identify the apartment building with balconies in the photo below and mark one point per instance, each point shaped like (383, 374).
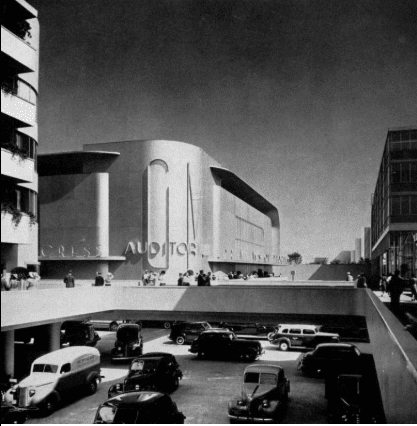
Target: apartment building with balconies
(19, 135)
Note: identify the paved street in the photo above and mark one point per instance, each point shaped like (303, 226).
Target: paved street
(206, 388)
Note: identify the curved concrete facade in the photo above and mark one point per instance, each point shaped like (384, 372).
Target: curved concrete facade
(168, 209)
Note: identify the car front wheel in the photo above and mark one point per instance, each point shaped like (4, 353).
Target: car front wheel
(167, 325)
(92, 386)
(284, 346)
(180, 340)
(49, 405)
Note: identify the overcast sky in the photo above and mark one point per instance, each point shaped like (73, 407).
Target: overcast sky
(294, 96)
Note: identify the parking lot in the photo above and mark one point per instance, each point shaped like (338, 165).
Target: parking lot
(206, 387)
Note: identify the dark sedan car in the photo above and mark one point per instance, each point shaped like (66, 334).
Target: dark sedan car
(264, 395)
(217, 343)
(139, 408)
(129, 342)
(248, 329)
(152, 371)
(187, 332)
(79, 333)
(340, 357)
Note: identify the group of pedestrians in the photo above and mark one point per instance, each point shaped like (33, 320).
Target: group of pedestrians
(392, 284)
(204, 280)
(99, 279)
(151, 278)
(19, 281)
(238, 275)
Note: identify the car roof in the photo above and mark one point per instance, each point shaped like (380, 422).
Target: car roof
(217, 331)
(155, 355)
(263, 368)
(336, 345)
(129, 325)
(135, 397)
(298, 326)
(65, 355)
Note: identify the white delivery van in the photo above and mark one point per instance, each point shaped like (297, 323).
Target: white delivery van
(55, 374)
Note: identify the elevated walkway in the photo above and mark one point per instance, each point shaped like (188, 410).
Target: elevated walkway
(393, 348)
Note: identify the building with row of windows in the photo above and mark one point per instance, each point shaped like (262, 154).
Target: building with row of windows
(19, 135)
(394, 205)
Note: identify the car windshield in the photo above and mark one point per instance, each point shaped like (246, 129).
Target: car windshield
(127, 334)
(45, 368)
(261, 378)
(144, 365)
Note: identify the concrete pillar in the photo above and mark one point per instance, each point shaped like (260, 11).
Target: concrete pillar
(7, 345)
(54, 336)
(48, 337)
(102, 218)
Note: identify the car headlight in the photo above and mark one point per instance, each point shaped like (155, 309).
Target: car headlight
(32, 392)
(119, 348)
(241, 402)
(137, 387)
(265, 403)
(118, 387)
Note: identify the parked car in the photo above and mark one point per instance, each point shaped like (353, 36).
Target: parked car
(247, 329)
(187, 332)
(110, 325)
(12, 415)
(152, 371)
(264, 395)
(54, 375)
(128, 344)
(156, 323)
(290, 336)
(224, 344)
(139, 408)
(349, 401)
(341, 357)
(79, 333)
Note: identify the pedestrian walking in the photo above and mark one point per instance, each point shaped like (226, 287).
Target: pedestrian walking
(413, 286)
(383, 284)
(33, 281)
(180, 279)
(349, 277)
(5, 284)
(207, 279)
(99, 281)
(69, 280)
(361, 281)
(186, 279)
(395, 288)
(201, 279)
(14, 282)
(162, 279)
(107, 280)
(145, 277)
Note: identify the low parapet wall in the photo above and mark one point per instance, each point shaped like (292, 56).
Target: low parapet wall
(322, 272)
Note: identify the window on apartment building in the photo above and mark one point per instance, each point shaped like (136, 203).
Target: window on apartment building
(413, 204)
(395, 172)
(413, 172)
